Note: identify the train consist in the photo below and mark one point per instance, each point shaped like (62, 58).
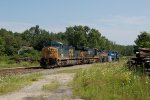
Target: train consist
(57, 54)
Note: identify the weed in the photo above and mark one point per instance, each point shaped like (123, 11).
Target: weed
(9, 62)
(51, 86)
(110, 81)
(13, 83)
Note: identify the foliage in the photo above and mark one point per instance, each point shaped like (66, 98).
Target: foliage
(92, 38)
(110, 81)
(10, 61)
(32, 54)
(11, 42)
(143, 40)
(77, 35)
(36, 37)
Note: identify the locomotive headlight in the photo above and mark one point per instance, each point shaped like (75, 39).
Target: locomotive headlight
(147, 61)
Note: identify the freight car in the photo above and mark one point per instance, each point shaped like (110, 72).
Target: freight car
(142, 58)
(103, 56)
(57, 54)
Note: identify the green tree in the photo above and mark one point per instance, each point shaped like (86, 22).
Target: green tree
(36, 37)
(9, 42)
(94, 38)
(77, 35)
(40, 40)
(143, 40)
(2, 48)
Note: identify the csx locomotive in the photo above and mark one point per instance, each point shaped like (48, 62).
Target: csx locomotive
(56, 54)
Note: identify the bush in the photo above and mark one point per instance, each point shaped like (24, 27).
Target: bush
(24, 64)
(33, 54)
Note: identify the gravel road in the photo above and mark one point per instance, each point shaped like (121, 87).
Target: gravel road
(35, 92)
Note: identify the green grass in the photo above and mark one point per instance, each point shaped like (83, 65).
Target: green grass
(13, 83)
(10, 62)
(51, 86)
(13, 65)
(110, 81)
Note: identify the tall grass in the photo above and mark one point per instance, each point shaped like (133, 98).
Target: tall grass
(22, 64)
(9, 62)
(111, 81)
(13, 83)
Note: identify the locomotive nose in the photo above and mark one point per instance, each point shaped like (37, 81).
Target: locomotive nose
(52, 61)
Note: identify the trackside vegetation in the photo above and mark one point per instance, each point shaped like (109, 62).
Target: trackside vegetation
(110, 81)
(10, 61)
(13, 83)
(22, 64)
(51, 86)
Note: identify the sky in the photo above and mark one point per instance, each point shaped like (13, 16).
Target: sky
(121, 21)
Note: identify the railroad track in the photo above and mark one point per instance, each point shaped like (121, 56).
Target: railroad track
(19, 70)
(25, 70)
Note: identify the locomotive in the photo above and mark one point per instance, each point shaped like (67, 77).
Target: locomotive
(113, 56)
(56, 54)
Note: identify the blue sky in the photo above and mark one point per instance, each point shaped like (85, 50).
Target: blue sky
(119, 20)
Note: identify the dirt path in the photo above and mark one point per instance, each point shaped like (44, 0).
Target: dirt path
(35, 92)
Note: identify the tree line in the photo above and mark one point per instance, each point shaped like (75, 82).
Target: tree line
(11, 42)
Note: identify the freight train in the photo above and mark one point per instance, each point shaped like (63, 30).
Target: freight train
(56, 54)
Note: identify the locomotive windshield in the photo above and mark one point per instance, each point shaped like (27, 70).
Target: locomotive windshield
(54, 44)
